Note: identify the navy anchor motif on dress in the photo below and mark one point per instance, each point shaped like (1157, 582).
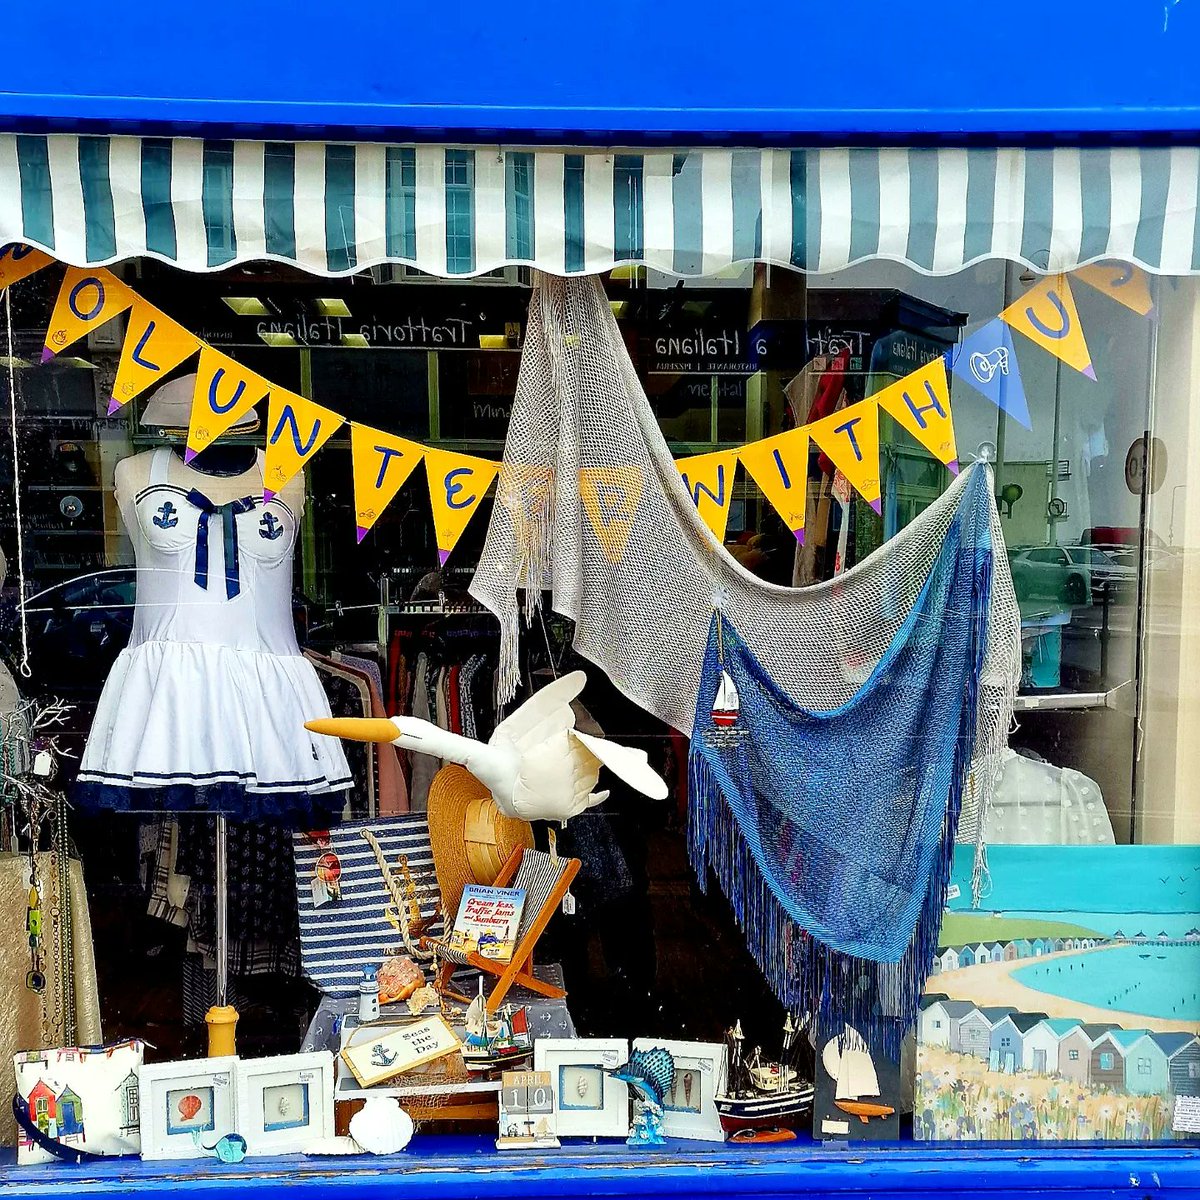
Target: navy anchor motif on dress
(228, 514)
(165, 517)
(270, 526)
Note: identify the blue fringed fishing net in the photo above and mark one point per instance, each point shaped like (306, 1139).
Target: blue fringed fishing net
(831, 831)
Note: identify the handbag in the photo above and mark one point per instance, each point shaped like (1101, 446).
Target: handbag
(77, 1102)
(351, 907)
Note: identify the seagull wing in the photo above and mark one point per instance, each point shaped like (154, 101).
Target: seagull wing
(627, 764)
(544, 714)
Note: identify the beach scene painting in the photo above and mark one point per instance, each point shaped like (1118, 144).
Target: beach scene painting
(1067, 1006)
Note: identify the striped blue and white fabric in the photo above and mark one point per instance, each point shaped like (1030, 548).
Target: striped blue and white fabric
(339, 939)
(336, 208)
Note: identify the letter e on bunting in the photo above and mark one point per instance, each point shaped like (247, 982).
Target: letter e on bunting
(709, 481)
(610, 496)
(18, 261)
(154, 346)
(296, 429)
(382, 463)
(225, 392)
(779, 465)
(921, 403)
(1047, 315)
(850, 437)
(457, 483)
(1125, 283)
(86, 300)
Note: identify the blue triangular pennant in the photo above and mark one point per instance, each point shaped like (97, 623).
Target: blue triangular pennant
(987, 361)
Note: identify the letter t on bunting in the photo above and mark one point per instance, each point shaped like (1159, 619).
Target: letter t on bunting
(18, 261)
(296, 429)
(850, 437)
(382, 464)
(921, 403)
(86, 300)
(779, 465)
(154, 346)
(709, 481)
(457, 483)
(1047, 315)
(225, 392)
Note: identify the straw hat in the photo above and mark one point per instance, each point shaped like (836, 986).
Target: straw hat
(470, 837)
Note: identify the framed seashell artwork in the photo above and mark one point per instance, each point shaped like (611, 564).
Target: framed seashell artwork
(285, 1104)
(181, 1104)
(588, 1101)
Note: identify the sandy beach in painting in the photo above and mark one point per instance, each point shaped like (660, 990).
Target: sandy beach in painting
(987, 984)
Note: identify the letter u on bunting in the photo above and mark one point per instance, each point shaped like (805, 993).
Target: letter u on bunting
(296, 429)
(154, 346)
(850, 437)
(457, 483)
(382, 463)
(709, 481)
(1047, 315)
(921, 403)
(18, 261)
(225, 392)
(86, 300)
(779, 465)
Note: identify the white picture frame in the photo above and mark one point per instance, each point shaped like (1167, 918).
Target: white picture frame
(594, 1104)
(177, 1099)
(285, 1103)
(690, 1112)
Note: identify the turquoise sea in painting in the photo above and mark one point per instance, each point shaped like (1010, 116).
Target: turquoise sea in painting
(1148, 979)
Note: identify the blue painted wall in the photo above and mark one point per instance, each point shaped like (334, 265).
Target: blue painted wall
(613, 70)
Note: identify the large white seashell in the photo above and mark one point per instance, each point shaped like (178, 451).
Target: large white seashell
(381, 1126)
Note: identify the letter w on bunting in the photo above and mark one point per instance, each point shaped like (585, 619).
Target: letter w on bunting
(709, 481)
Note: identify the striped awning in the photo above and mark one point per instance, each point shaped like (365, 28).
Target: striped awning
(336, 208)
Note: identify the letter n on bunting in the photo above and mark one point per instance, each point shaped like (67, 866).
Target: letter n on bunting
(296, 429)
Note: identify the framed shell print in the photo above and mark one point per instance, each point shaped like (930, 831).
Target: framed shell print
(589, 1102)
(180, 1102)
(285, 1104)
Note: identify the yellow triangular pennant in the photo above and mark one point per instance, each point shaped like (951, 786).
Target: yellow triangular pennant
(86, 300)
(225, 391)
(382, 463)
(154, 346)
(296, 429)
(850, 437)
(709, 481)
(1125, 283)
(610, 497)
(921, 403)
(1047, 315)
(457, 483)
(18, 260)
(779, 465)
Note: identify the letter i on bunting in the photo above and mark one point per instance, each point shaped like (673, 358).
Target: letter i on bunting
(86, 300)
(296, 429)
(709, 481)
(1047, 315)
(154, 346)
(225, 392)
(17, 261)
(921, 403)
(850, 437)
(779, 465)
(457, 483)
(382, 463)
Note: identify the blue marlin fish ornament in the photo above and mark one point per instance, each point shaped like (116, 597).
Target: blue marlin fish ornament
(651, 1074)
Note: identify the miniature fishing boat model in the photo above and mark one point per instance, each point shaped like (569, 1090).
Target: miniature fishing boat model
(499, 1040)
(763, 1100)
(848, 1062)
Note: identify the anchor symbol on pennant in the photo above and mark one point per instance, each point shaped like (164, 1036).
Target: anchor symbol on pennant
(270, 527)
(166, 518)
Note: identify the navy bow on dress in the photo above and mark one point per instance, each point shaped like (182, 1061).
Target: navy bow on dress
(227, 513)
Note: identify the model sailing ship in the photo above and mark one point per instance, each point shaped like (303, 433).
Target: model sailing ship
(763, 1099)
(495, 1041)
(848, 1063)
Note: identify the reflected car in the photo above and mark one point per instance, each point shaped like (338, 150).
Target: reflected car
(1069, 575)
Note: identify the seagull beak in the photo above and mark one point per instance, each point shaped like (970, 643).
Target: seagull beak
(355, 729)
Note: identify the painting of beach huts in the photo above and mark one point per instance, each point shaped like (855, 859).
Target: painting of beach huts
(1066, 1006)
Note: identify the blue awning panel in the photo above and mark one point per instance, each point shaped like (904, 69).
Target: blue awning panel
(337, 208)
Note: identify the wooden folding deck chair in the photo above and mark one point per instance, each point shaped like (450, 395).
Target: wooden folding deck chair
(546, 881)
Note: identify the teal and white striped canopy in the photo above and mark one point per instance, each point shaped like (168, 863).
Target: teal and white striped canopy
(336, 208)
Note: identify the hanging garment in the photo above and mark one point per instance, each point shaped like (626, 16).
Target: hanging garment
(349, 696)
(205, 708)
(391, 786)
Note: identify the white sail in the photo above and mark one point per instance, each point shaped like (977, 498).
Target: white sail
(831, 1058)
(856, 1076)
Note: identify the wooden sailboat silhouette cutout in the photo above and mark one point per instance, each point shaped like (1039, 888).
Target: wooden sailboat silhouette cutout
(848, 1062)
(727, 704)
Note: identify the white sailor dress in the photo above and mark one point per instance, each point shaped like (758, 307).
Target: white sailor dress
(205, 708)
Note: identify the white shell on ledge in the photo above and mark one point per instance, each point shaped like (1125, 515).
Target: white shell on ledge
(381, 1126)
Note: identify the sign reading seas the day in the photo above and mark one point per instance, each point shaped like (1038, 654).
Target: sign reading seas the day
(378, 1054)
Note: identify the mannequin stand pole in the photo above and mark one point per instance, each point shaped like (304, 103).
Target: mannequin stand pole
(222, 1018)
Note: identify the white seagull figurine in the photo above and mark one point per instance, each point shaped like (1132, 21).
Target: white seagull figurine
(537, 765)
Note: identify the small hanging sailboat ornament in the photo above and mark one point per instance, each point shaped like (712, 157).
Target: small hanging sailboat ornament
(848, 1062)
(727, 704)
